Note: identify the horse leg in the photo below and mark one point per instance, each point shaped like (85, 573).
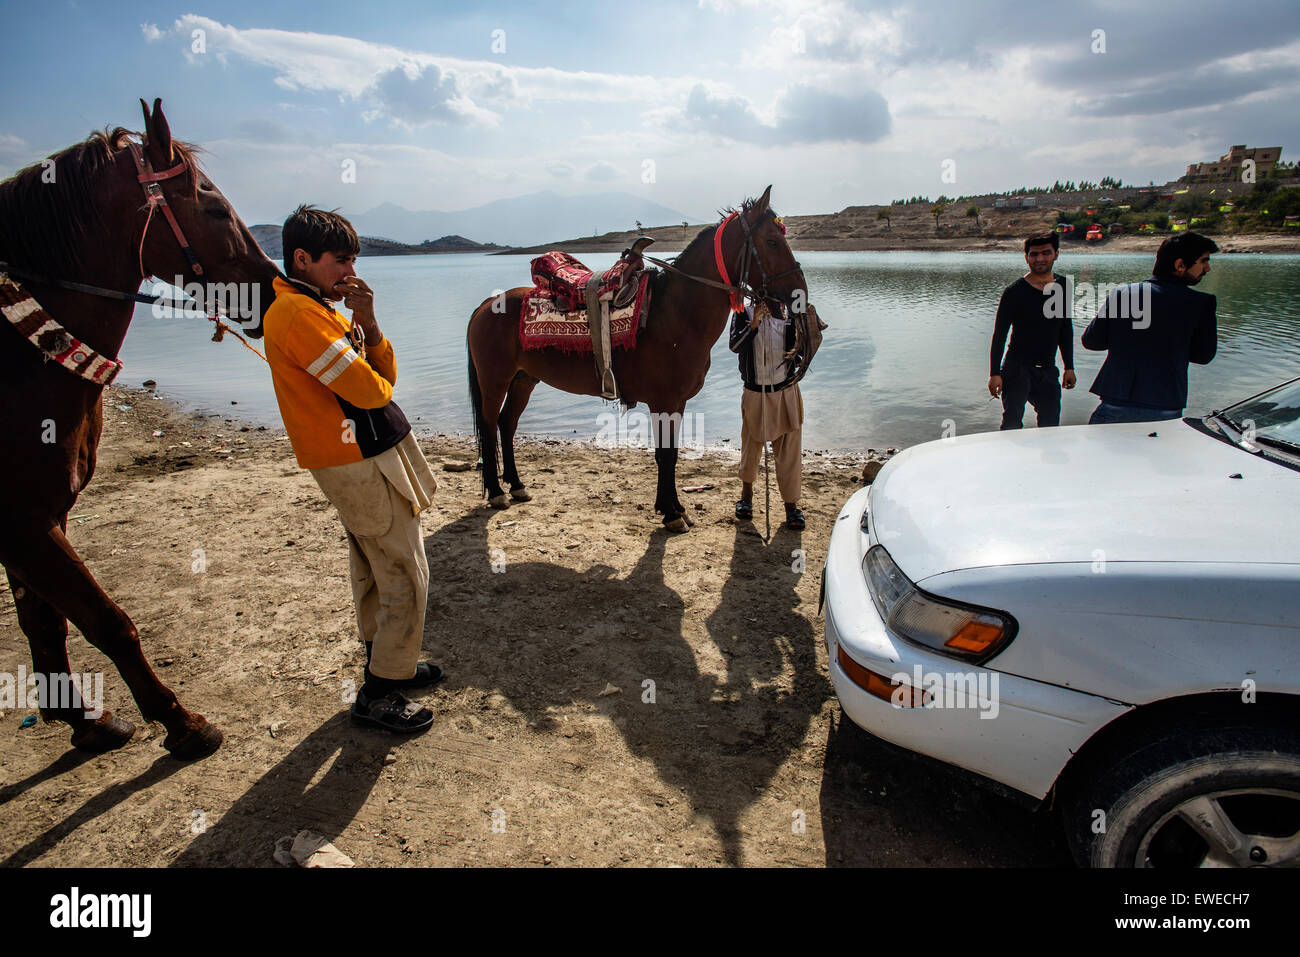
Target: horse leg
(665, 435)
(521, 388)
(47, 635)
(45, 560)
(493, 395)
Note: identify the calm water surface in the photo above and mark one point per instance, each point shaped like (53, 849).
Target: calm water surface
(907, 346)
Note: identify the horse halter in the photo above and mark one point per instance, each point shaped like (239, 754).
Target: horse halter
(155, 198)
(748, 255)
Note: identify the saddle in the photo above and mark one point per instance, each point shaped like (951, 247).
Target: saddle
(575, 309)
(565, 280)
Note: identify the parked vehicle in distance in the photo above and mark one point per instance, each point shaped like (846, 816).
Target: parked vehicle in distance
(1102, 618)
(1094, 234)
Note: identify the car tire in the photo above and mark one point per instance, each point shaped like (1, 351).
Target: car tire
(1227, 797)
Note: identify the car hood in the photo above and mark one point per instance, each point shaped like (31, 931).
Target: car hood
(1115, 493)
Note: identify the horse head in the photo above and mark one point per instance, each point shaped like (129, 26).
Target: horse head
(186, 231)
(768, 264)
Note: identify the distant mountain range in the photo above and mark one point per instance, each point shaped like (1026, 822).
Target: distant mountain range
(522, 220)
(268, 237)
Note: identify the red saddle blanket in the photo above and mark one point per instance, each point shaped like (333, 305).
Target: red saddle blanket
(545, 324)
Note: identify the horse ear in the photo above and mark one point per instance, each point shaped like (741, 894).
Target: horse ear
(763, 200)
(157, 136)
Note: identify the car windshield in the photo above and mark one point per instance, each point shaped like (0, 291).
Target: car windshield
(1272, 417)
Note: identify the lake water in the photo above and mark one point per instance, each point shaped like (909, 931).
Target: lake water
(906, 351)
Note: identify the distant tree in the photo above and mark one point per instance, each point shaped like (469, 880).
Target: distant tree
(885, 214)
(685, 224)
(937, 210)
(975, 212)
(638, 225)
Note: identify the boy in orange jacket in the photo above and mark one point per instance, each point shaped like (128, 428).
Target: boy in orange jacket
(334, 383)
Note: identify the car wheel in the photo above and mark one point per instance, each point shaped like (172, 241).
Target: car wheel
(1208, 798)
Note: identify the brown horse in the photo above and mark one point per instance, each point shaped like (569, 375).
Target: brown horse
(666, 368)
(84, 216)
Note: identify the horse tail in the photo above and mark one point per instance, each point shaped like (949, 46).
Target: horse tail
(483, 432)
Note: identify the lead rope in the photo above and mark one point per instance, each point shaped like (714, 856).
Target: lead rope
(762, 418)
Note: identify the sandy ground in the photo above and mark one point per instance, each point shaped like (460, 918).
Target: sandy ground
(742, 757)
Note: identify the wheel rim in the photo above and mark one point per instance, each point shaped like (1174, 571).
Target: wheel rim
(1242, 827)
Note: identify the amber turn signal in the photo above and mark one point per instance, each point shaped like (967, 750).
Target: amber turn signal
(880, 686)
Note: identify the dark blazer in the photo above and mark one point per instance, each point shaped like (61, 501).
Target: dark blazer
(1148, 366)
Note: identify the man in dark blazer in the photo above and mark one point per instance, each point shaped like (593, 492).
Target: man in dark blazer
(1150, 331)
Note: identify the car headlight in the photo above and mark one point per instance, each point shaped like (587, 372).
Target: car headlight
(951, 628)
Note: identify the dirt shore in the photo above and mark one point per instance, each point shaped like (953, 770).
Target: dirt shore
(828, 234)
(549, 746)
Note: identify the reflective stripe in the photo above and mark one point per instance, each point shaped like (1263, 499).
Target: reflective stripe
(326, 357)
(333, 372)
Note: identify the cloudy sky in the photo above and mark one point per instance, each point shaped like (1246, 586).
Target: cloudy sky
(691, 104)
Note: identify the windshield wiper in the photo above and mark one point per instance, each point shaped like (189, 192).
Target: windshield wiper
(1282, 444)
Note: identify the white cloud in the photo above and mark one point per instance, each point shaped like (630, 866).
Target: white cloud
(151, 32)
(412, 87)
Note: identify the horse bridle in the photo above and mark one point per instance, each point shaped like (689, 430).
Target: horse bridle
(156, 199)
(749, 255)
(741, 290)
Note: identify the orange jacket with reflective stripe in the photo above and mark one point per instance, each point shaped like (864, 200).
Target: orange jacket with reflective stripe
(337, 405)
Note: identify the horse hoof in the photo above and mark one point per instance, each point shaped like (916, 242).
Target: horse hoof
(195, 744)
(687, 518)
(678, 524)
(105, 733)
(520, 494)
(499, 501)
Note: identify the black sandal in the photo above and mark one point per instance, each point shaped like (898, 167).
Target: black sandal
(794, 518)
(392, 712)
(745, 510)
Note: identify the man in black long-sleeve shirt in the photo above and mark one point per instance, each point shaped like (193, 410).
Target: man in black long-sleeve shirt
(1035, 310)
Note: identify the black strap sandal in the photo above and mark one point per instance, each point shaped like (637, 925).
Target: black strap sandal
(745, 510)
(392, 712)
(794, 518)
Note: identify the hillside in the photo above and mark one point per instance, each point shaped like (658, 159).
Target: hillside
(518, 220)
(912, 227)
(268, 237)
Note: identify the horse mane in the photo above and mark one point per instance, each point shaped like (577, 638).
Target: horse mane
(44, 225)
(706, 234)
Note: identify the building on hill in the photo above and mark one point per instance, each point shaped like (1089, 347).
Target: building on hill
(1228, 166)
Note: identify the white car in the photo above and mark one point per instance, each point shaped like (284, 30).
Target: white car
(1104, 617)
